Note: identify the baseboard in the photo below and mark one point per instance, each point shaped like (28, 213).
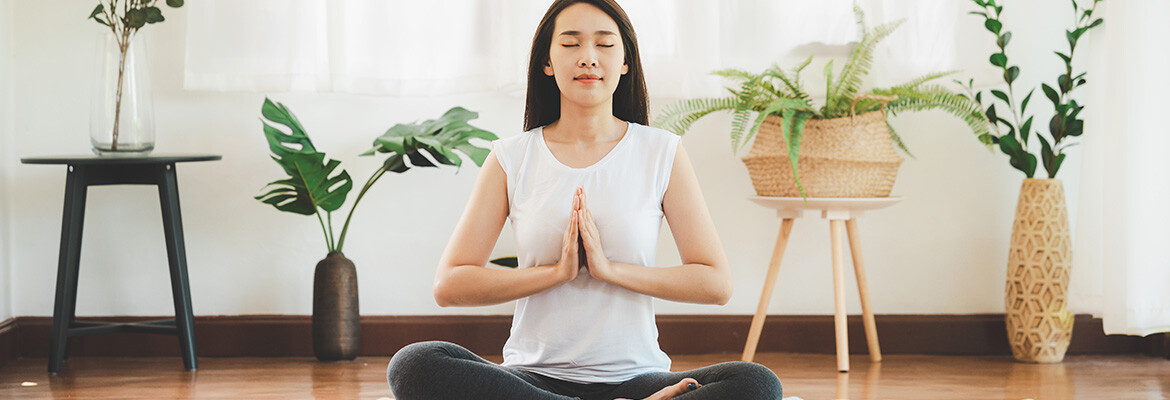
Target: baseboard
(290, 335)
(8, 349)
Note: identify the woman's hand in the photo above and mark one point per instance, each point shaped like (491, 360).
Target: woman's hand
(570, 252)
(599, 266)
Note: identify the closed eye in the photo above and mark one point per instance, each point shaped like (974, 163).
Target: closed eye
(570, 45)
(605, 45)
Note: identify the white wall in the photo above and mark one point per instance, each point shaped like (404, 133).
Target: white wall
(7, 161)
(941, 251)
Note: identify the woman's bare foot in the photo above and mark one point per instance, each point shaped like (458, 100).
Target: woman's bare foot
(669, 392)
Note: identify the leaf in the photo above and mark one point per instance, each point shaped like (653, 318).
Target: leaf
(993, 26)
(395, 164)
(1056, 165)
(998, 59)
(1024, 105)
(1051, 93)
(310, 185)
(1072, 38)
(1001, 95)
(1075, 128)
(101, 21)
(175, 3)
(1009, 145)
(280, 143)
(991, 116)
(1064, 83)
(1056, 127)
(978, 13)
(1004, 39)
(100, 9)
(1025, 129)
(1096, 22)
(1011, 74)
(1046, 155)
(135, 18)
(1065, 57)
(153, 15)
(441, 137)
(417, 159)
(507, 262)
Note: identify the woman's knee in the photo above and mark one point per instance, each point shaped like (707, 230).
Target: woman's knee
(759, 377)
(416, 359)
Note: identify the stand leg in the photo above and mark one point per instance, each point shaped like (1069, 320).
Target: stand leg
(68, 265)
(839, 317)
(749, 350)
(168, 195)
(875, 351)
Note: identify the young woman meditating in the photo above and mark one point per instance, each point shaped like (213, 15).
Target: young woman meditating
(586, 188)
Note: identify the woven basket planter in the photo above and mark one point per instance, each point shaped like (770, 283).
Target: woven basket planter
(839, 157)
(1039, 327)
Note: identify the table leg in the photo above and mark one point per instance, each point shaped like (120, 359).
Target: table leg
(749, 350)
(68, 263)
(168, 195)
(875, 351)
(839, 317)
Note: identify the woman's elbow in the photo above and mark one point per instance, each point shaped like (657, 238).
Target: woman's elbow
(441, 290)
(722, 288)
(721, 295)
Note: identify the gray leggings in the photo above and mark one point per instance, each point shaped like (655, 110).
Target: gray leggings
(446, 371)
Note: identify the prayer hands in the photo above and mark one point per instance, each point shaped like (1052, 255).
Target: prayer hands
(570, 249)
(593, 256)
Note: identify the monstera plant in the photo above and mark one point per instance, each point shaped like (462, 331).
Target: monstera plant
(316, 185)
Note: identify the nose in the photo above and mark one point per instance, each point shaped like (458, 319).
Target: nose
(587, 61)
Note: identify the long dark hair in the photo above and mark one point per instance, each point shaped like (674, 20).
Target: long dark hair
(543, 102)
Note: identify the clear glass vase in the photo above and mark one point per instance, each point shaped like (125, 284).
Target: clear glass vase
(121, 113)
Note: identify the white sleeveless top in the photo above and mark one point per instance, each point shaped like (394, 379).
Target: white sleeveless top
(587, 330)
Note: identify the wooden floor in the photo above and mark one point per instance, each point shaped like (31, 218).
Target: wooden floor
(807, 376)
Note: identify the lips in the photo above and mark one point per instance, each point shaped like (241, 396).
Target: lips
(587, 78)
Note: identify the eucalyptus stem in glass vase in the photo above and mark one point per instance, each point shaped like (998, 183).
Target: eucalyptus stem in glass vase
(121, 118)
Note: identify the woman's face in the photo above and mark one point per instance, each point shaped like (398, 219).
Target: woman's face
(586, 57)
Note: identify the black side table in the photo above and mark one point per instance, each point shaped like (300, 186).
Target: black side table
(89, 170)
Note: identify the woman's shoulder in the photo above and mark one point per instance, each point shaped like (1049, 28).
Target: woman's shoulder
(517, 141)
(653, 136)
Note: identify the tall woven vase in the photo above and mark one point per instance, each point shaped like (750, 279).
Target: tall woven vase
(839, 157)
(1038, 325)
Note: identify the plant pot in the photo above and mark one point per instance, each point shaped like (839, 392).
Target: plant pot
(1038, 325)
(839, 157)
(336, 320)
(121, 113)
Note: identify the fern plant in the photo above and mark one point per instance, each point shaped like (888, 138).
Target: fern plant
(782, 93)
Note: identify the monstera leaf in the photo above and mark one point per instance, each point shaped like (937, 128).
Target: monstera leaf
(309, 186)
(440, 138)
(313, 181)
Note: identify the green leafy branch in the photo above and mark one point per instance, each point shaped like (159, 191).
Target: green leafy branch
(1065, 122)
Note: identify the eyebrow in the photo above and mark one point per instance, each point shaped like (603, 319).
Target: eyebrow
(578, 33)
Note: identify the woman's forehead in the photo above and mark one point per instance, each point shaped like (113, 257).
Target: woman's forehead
(584, 19)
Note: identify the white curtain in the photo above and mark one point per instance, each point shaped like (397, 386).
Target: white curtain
(1121, 270)
(425, 48)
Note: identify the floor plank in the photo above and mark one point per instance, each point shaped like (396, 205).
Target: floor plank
(808, 376)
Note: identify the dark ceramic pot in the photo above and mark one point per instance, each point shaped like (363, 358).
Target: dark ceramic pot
(336, 320)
